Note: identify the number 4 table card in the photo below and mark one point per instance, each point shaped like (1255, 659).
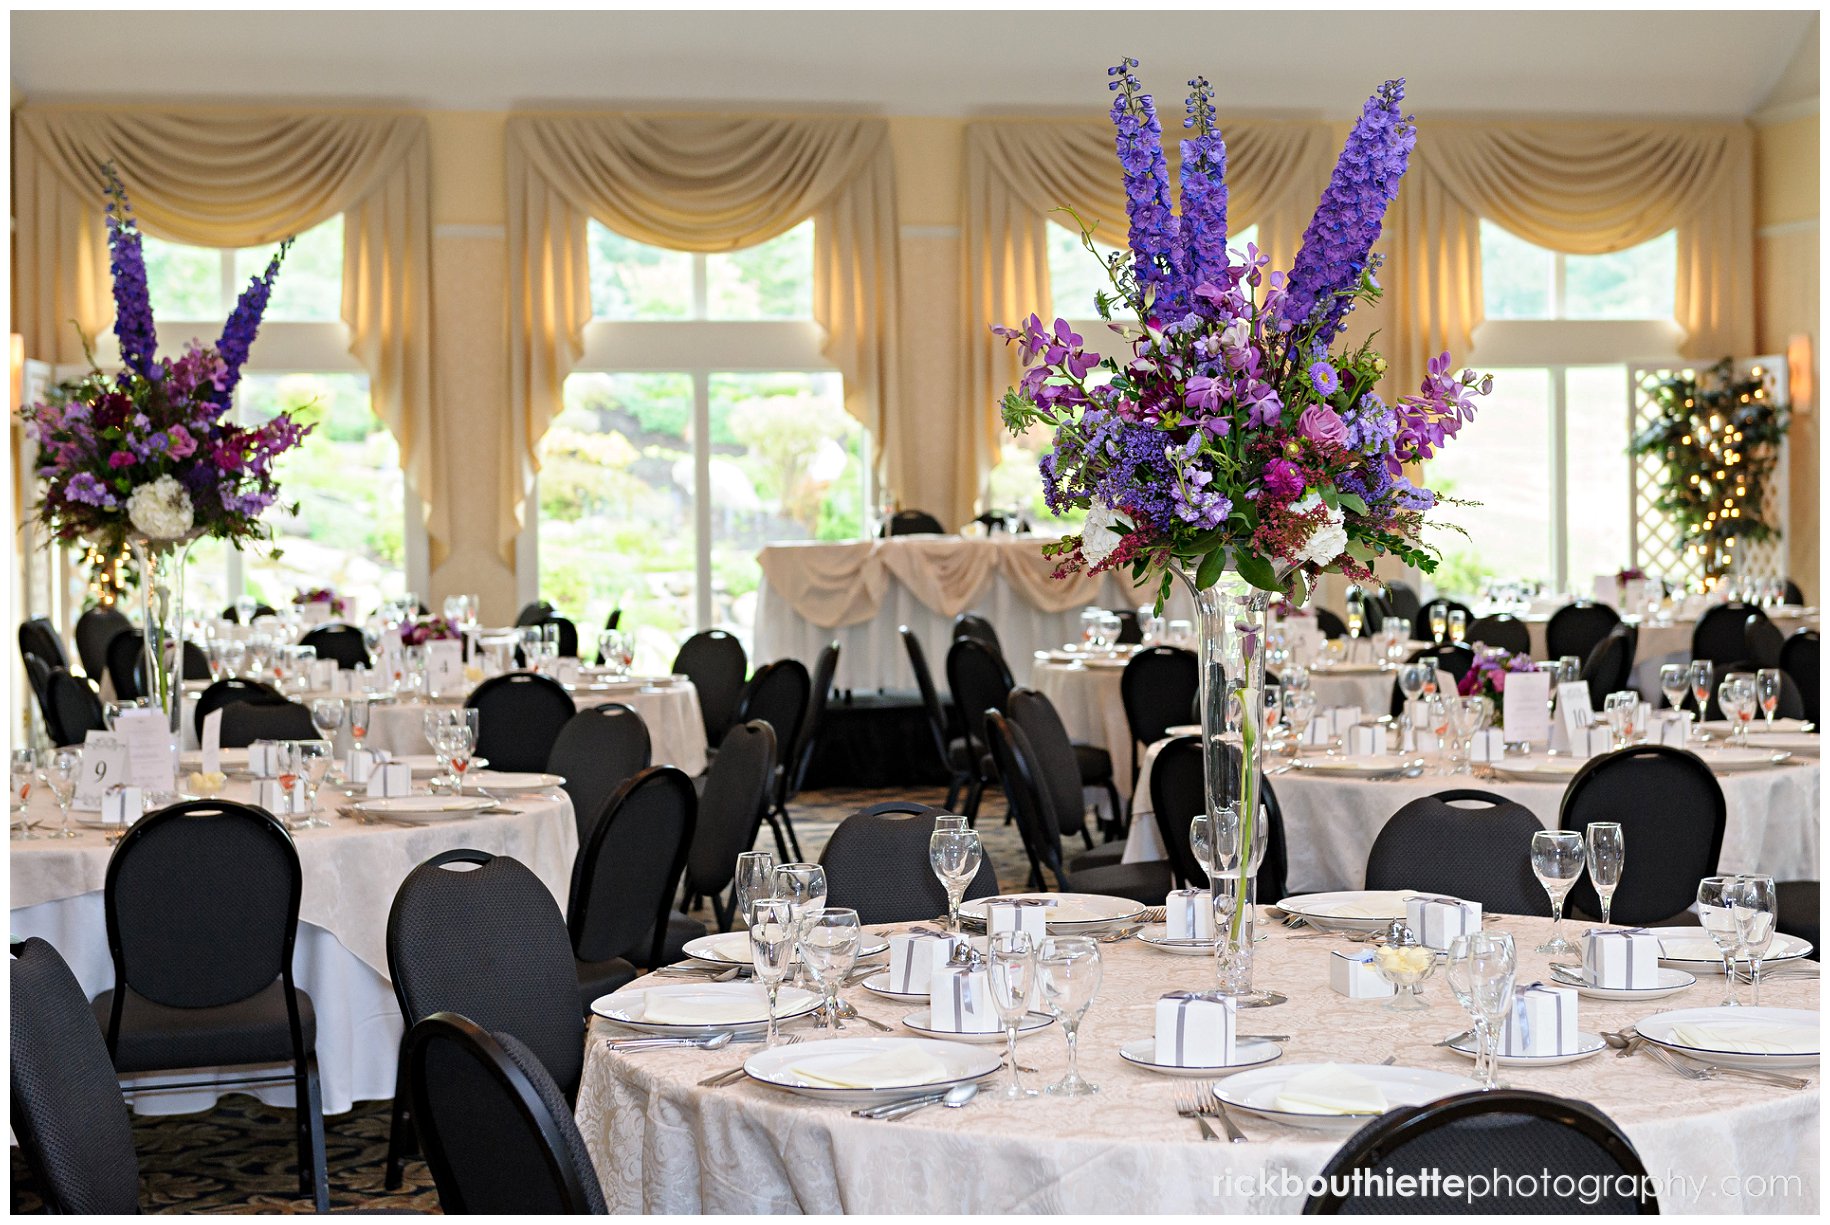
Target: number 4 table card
(444, 667)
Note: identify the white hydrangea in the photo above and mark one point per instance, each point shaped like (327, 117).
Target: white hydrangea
(161, 509)
(1329, 540)
(1097, 539)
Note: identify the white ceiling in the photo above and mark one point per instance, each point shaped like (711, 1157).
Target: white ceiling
(1695, 63)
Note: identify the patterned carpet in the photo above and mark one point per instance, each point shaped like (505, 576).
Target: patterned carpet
(242, 1157)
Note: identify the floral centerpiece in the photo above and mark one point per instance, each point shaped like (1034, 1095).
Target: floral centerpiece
(339, 605)
(149, 457)
(1231, 439)
(1487, 678)
(421, 630)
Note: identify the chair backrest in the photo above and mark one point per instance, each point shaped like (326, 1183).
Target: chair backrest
(232, 689)
(497, 1132)
(125, 652)
(715, 662)
(68, 1113)
(1799, 659)
(1057, 769)
(778, 695)
(1158, 687)
(1791, 700)
(1670, 809)
(245, 722)
(1329, 623)
(38, 675)
(95, 629)
(598, 750)
(1420, 628)
(1036, 822)
(342, 643)
(1721, 632)
(1462, 843)
(819, 690)
(1130, 628)
(1610, 665)
(971, 625)
(1178, 791)
(1501, 630)
(202, 906)
(72, 706)
(39, 637)
(913, 523)
(630, 870)
(1794, 593)
(479, 934)
(930, 697)
(568, 634)
(519, 717)
(731, 807)
(874, 864)
(1764, 640)
(980, 682)
(1401, 598)
(614, 619)
(1577, 629)
(195, 667)
(260, 610)
(1510, 1136)
(534, 613)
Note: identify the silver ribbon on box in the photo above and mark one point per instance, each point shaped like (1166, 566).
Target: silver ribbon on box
(964, 999)
(1189, 901)
(1591, 954)
(1521, 1014)
(909, 950)
(1013, 903)
(1183, 1000)
(1423, 915)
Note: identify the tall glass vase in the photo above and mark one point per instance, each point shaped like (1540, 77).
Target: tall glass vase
(161, 569)
(1231, 618)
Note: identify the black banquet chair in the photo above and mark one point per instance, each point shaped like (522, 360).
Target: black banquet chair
(1329, 623)
(480, 935)
(1048, 736)
(731, 806)
(1577, 629)
(39, 677)
(873, 865)
(1501, 631)
(1178, 791)
(1401, 599)
(819, 691)
(598, 750)
(1670, 807)
(1420, 629)
(714, 661)
(245, 722)
(980, 682)
(228, 690)
(913, 523)
(1720, 635)
(626, 880)
(1765, 641)
(1508, 1136)
(498, 1134)
(954, 751)
(68, 1114)
(126, 653)
(1799, 660)
(342, 643)
(95, 629)
(519, 718)
(1158, 688)
(201, 902)
(1462, 843)
(972, 625)
(38, 637)
(72, 707)
(778, 695)
(1609, 666)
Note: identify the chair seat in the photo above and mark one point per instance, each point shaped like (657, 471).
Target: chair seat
(1148, 883)
(959, 754)
(156, 1037)
(1103, 856)
(680, 929)
(1798, 913)
(1095, 764)
(600, 978)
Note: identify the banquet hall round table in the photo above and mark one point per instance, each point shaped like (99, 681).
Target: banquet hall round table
(1330, 822)
(661, 1143)
(351, 873)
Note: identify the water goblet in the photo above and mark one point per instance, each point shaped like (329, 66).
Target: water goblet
(461, 744)
(1067, 976)
(1767, 688)
(773, 933)
(1619, 709)
(1299, 708)
(1110, 626)
(1736, 696)
(1437, 709)
(1201, 843)
(327, 716)
(1716, 901)
(1089, 627)
(1411, 680)
(754, 878)
(286, 769)
(433, 721)
(1011, 969)
(954, 854)
(829, 947)
(803, 887)
(1180, 633)
(1756, 907)
(1557, 856)
(1468, 715)
(312, 759)
(1482, 970)
(59, 769)
(1674, 683)
(1607, 859)
(24, 774)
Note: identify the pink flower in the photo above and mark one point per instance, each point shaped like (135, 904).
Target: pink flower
(179, 442)
(120, 459)
(1319, 423)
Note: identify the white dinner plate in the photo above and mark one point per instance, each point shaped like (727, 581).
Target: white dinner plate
(733, 948)
(1247, 1053)
(626, 685)
(425, 765)
(1346, 669)
(1799, 744)
(1587, 1044)
(1106, 665)
(1690, 948)
(749, 1002)
(1157, 937)
(1734, 761)
(1255, 1091)
(1658, 1028)
(952, 1063)
(1033, 1022)
(507, 781)
(1547, 769)
(1072, 913)
(1342, 765)
(879, 984)
(1183, 729)
(1670, 982)
(1366, 910)
(423, 808)
(1720, 728)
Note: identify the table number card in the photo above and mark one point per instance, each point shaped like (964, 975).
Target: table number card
(104, 765)
(444, 666)
(1525, 707)
(1489, 744)
(390, 779)
(1574, 714)
(150, 761)
(212, 743)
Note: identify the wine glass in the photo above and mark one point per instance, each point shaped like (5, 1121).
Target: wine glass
(1439, 623)
(829, 947)
(1482, 971)
(312, 761)
(461, 743)
(773, 929)
(59, 769)
(1468, 715)
(432, 722)
(1299, 707)
(1411, 679)
(1767, 688)
(1620, 709)
(286, 769)
(954, 854)
(1436, 721)
(327, 716)
(755, 878)
(1011, 968)
(1756, 906)
(1397, 638)
(1458, 625)
(1201, 842)
(1557, 857)
(1673, 682)
(1607, 859)
(1735, 695)
(1716, 900)
(1702, 680)
(803, 887)
(24, 774)
(1067, 975)
(1356, 611)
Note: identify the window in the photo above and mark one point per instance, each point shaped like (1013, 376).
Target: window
(351, 530)
(1560, 331)
(702, 424)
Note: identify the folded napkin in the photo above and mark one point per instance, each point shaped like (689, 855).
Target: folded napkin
(1330, 1089)
(894, 1068)
(731, 946)
(1749, 1037)
(1373, 906)
(662, 1006)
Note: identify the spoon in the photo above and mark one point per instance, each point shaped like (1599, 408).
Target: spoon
(710, 1042)
(955, 1097)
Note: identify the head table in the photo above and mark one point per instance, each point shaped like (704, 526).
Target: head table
(661, 1143)
(351, 873)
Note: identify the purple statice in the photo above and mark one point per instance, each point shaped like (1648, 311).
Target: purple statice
(1154, 227)
(1338, 243)
(1193, 498)
(84, 487)
(243, 326)
(133, 317)
(1203, 225)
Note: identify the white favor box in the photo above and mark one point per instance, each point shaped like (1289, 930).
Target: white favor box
(1343, 718)
(390, 778)
(262, 760)
(1591, 742)
(269, 794)
(1018, 915)
(1195, 1031)
(1352, 975)
(1438, 920)
(565, 670)
(122, 805)
(1319, 733)
(1622, 959)
(959, 999)
(360, 764)
(1542, 1022)
(1488, 744)
(323, 673)
(1189, 915)
(913, 956)
(1366, 740)
(1673, 730)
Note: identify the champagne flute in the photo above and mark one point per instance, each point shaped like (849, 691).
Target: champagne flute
(358, 712)
(1673, 682)
(1767, 688)
(1716, 898)
(1011, 968)
(1484, 965)
(1436, 714)
(829, 947)
(1439, 623)
(286, 761)
(1557, 857)
(754, 878)
(954, 854)
(24, 774)
(1756, 900)
(1607, 859)
(1067, 974)
(773, 929)
(1702, 681)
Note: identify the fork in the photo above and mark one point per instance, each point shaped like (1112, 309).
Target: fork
(1188, 1105)
(719, 1079)
(1689, 1070)
(1211, 1104)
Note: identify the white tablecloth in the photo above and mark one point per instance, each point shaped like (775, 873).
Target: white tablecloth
(1330, 823)
(351, 873)
(859, 592)
(661, 1144)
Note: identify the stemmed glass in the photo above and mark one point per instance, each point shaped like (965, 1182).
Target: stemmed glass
(773, 928)
(1569, 669)
(1411, 679)
(311, 760)
(1439, 623)
(58, 770)
(1717, 897)
(1299, 708)
(1467, 715)
(1431, 665)
(1397, 638)
(1607, 859)
(1621, 710)
(286, 769)
(1201, 842)
(1458, 625)
(1702, 680)
(803, 887)
(1436, 715)
(327, 717)
(1756, 901)
(1557, 857)
(1011, 968)
(1067, 975)
(358, 712)
(460, 743)
(755, 878)
(24, 774)
(1767, 688)
(434, 722)
(1735, 695)
(829, 946)
(1481, 971)
(954, 854)
(1673, 682)
(234, 656)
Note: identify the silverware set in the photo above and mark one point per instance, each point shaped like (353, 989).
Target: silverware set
(902, 1108)
(1628, 1042)
(1202, 1103)
(731, 1075)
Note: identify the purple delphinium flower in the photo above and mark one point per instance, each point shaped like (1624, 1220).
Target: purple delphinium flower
(1339, 241)
(243, 326)
(1203, 190)
(133, 317)
(1153, 223)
